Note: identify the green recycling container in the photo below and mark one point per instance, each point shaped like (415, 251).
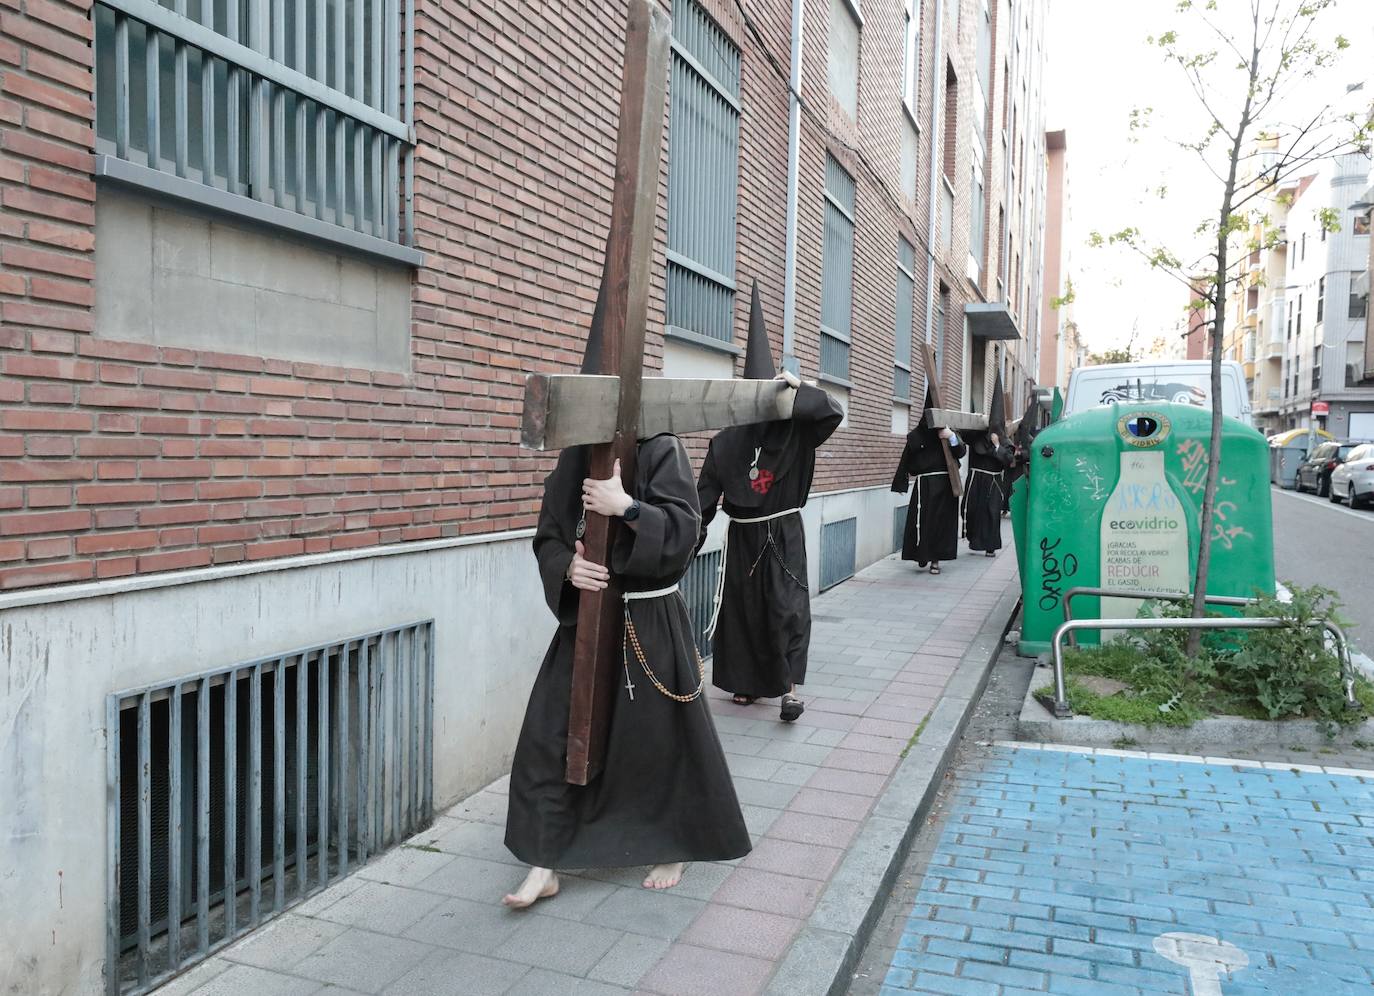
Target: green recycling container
(1113, 500)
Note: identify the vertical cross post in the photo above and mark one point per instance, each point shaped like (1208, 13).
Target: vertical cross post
(933, 389)
(629, 252)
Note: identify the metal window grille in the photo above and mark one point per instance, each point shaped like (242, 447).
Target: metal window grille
(837, 271)
(906, 294)
(236, 793)
(699, 590)
(898, 526)
(295, 113)
(703, 176)
(838, 551)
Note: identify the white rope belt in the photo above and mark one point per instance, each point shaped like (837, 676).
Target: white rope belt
(725, 556)
(930, 473)
(635, 596)
(963, 503)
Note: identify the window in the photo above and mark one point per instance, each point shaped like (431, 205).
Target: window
(977, 221)
(1321, 297)
(911, 146)
(1361, 223)
(983, 56)
(951, 123)
(906, 293)
(837, 271)
(1297, 326)
(941, 310)
(844, 56)
(1302, 252)
(911, 58)
(703, 174)
(298, 121)
(1359, 303)
(1290, 319)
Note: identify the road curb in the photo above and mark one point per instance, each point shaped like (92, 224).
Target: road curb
(822, 958)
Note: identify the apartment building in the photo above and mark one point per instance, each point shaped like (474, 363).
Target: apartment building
(271, 278)
(1323, 379)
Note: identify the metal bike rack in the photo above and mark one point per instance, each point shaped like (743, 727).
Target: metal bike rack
(1061, 698)
(1145, 596)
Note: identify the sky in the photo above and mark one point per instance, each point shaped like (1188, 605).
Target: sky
(1100, 66)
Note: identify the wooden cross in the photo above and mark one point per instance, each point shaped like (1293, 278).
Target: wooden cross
(938, 417)
(616, 409)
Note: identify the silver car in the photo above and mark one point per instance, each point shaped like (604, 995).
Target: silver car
(1353, 480)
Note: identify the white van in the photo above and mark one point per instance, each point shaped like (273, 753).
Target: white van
(1185, 382)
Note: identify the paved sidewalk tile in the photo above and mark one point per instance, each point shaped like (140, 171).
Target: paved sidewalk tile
(425, 918)
(1066, 871)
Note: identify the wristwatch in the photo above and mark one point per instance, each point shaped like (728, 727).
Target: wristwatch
(632, 512)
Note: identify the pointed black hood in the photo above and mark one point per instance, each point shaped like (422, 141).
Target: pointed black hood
(591, 358)
(758, 354)
(1025, 432)
(997, 411)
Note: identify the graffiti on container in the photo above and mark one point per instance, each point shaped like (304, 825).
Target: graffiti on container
(1096, 485)
(1193, 457)
(1054, 570)
(1225, 534)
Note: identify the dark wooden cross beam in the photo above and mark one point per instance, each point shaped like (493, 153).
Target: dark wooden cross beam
(617, 407)
(938, 410)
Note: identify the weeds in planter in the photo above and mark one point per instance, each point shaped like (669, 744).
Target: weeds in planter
(1286, 673)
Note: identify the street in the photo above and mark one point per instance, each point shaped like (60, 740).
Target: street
(1316, 542)
(1064, 870)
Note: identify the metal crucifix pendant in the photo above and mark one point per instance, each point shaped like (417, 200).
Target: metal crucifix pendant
(629, 685)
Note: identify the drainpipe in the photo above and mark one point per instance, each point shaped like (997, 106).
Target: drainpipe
(789, 285)
(937, 97)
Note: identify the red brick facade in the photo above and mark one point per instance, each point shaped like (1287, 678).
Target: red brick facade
(121, 458)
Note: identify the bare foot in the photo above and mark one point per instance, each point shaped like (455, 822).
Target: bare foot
(664, 876)
(540, 883)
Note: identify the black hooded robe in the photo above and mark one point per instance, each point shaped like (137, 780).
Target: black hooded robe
(665, 793)
(983, 497)
(763, 626)
(932, 518)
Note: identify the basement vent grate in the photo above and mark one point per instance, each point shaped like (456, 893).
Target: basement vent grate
(837, 551)
(699, 590)
(236, 793)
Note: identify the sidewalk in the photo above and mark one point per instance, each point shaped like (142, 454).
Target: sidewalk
(830, 801)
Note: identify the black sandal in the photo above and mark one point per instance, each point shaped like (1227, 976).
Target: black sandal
(934, 568)
(743, 700)
(792, 708)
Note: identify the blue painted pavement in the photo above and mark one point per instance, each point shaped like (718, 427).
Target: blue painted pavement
(1057, 871)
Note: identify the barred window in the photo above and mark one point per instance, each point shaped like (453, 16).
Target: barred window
(837, 271)
(290, 113)
(703, 177)
(906, 293)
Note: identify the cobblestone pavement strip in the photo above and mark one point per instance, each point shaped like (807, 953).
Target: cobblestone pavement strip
(426, 918)
(1059, 870)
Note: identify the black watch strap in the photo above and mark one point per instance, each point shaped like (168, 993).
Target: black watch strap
(632, 512)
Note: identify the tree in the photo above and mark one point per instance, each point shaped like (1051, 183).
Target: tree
(1245, 72)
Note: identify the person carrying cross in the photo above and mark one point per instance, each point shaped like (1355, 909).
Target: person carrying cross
(664, 796)
(990, 453)
(761, 627)
(932, 518)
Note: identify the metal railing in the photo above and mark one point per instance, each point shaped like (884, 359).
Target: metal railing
(1062, 709)
(699, 592)
(295, 113)
(1235, 601)
(235, 793)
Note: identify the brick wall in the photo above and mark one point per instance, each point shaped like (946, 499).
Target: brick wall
(121, 458)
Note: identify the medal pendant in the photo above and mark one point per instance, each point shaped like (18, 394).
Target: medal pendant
(753, 473)
(581, 528)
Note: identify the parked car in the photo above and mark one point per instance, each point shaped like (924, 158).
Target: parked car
(1314, 473)
(1185, 382)
(1353, 480)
